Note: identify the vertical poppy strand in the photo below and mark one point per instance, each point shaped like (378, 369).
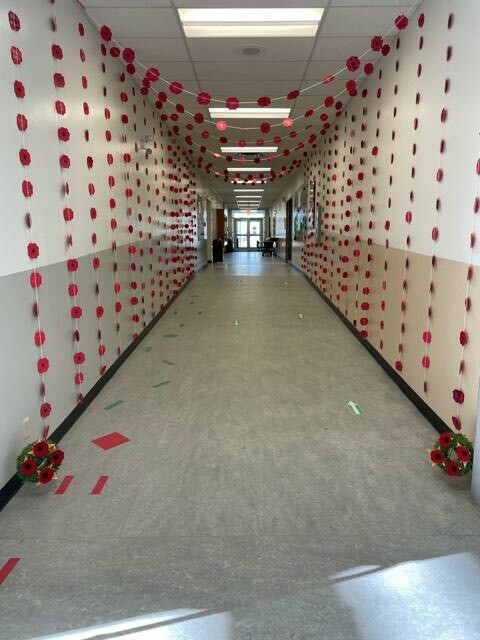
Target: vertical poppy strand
(33, 251)
(93, 214)
(72, 265)
(365, 305)
(347, 220)
(113, 222)
(427, 334)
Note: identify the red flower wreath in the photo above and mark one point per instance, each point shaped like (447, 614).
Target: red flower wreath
(453, 454)
(39, 461)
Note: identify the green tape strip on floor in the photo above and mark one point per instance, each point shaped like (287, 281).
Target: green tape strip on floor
(160, 384)
(167, 362)
(148, 349)
(354, 408)
(114, 404)
(170, 335)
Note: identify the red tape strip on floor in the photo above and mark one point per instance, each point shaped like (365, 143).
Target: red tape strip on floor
(63, 486)
(98, 488)
(7, 568)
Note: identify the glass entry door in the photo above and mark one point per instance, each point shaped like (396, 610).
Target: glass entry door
(248, 232)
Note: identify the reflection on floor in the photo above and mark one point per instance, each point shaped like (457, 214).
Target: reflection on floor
(248, 503)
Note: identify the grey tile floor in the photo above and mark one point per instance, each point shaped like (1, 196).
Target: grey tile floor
(249, 503)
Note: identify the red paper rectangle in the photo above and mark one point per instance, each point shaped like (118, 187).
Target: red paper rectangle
(63, 486)
(98, 488)
(7, 568)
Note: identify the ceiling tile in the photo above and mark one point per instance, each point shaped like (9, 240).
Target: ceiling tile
(357, 21)
(136, 4)
(373, 3)
(229, 49)
(157, 49)
(247, 90)
(249, 72)
(247, 3)
(139, 22)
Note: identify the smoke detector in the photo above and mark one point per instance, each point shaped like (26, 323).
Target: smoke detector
(252, 50)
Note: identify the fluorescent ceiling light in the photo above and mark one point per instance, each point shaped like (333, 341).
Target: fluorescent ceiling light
(240, 181)
(249, 149)
(247, 190)
(260, 22)
(250, 112)
(248, 169)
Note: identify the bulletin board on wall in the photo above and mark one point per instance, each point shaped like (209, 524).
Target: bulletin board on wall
(300, 213)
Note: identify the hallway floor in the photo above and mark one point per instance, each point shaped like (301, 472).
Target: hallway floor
(249, 503)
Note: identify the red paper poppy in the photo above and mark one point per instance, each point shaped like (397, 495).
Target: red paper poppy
(63, 134)
(58, 80)
(456, 423)
(458, 396)
(28, 467)
(76, 312)
(292, 95)
(106, 33)
(39, 338)
(353, 63)
(19, 89)
(265, 127)
(376, 43)
(232, 103)
(56, 457)
(72, 289)
(385, 50)
(437, 456)
(128, 54)
(463, 454)
(221, 125)
(176, 88)
(57, 52)
(45, 475)
(401, 22)
(368, 68)
(35, 280)
(14, 21)
(452, 468)
(40, 449)
(79, 357)
(351, 85)
(60, 107)
(99, 311)
(24, 157)
(16, 55)
(445, 440)
(329, 101)
(72, 264)
(64, 161)
(22, 122)
(45, 409)
(463, 338)
(264, 101)
(152, 75)
(33, 250)
(118, 307)
(79, 378)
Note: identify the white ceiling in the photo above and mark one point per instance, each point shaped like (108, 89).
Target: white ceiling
(217, 65)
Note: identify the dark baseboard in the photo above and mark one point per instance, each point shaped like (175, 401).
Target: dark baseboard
(14, 484)
(426, 411)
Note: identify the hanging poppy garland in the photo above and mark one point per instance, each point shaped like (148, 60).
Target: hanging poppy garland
(151, 76)
(33, 250)
(39, 462)
(453, 454)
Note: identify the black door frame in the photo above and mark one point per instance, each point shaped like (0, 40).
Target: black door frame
(289, 230)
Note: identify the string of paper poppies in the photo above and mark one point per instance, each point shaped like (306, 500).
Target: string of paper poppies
(33, 250)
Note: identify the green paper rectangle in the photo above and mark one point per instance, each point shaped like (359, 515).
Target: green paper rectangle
(114, 404)
(354, 408)
(170, 335)
(160, 384)
(167, 362)
(148, 349)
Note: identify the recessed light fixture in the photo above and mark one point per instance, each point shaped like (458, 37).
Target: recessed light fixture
(250, 112)
(249, 149)
(248, 169)
(294, 22)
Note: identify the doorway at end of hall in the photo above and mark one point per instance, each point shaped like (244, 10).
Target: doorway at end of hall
(248, 233)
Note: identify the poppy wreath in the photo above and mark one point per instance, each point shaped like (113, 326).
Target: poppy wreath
(39, 461)
(453, 453)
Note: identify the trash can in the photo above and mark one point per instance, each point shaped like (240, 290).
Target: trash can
(217, 250)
